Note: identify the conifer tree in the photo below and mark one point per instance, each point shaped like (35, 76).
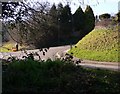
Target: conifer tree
(53, 22)
(79, 19)
(89, 20)
(65, 19)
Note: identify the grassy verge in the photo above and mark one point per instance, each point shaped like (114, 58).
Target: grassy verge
(109, 56)
(7, 47)
(57, 77)
(100, 45)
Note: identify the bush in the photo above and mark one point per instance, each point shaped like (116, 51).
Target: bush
(57, 77)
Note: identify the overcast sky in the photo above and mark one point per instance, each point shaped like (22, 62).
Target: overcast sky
(98, 6)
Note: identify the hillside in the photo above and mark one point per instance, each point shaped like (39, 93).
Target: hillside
(100, 44)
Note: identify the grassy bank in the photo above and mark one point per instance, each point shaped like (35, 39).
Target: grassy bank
(57, 77)
(100, 45)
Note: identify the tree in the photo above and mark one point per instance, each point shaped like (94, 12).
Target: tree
(96, 18)
(8, 9)
(31, 25)
(59, 8)
(53, 23)
(59, 11)
(89, 20)
(13, 13)
(66, 20)
(39, 27)
(40, 24)
(53, 13)
(104, 16)
(79, 19)
(118, 16)
(67, 16)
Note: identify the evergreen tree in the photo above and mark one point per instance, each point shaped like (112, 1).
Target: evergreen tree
(59, 11)
(59, 23)
(66, 20)
(53, 17)
(53, 13)
(78, 20)
(53, 22)
(89, 20)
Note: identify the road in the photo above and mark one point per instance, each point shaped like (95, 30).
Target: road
(51, 53)
(101, 66)
(59, 52)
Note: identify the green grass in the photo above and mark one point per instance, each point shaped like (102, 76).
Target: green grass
(57, 77)
(100, 45)
(7, 47)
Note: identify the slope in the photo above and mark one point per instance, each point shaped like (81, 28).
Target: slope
(100, 44)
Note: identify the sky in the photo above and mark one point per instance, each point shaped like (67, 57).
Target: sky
(98, 6)
(108, 6)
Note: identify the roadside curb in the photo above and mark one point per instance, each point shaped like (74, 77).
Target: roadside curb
(100, 63)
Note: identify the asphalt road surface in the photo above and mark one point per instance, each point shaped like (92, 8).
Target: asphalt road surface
(101, 66)
(51, 53)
